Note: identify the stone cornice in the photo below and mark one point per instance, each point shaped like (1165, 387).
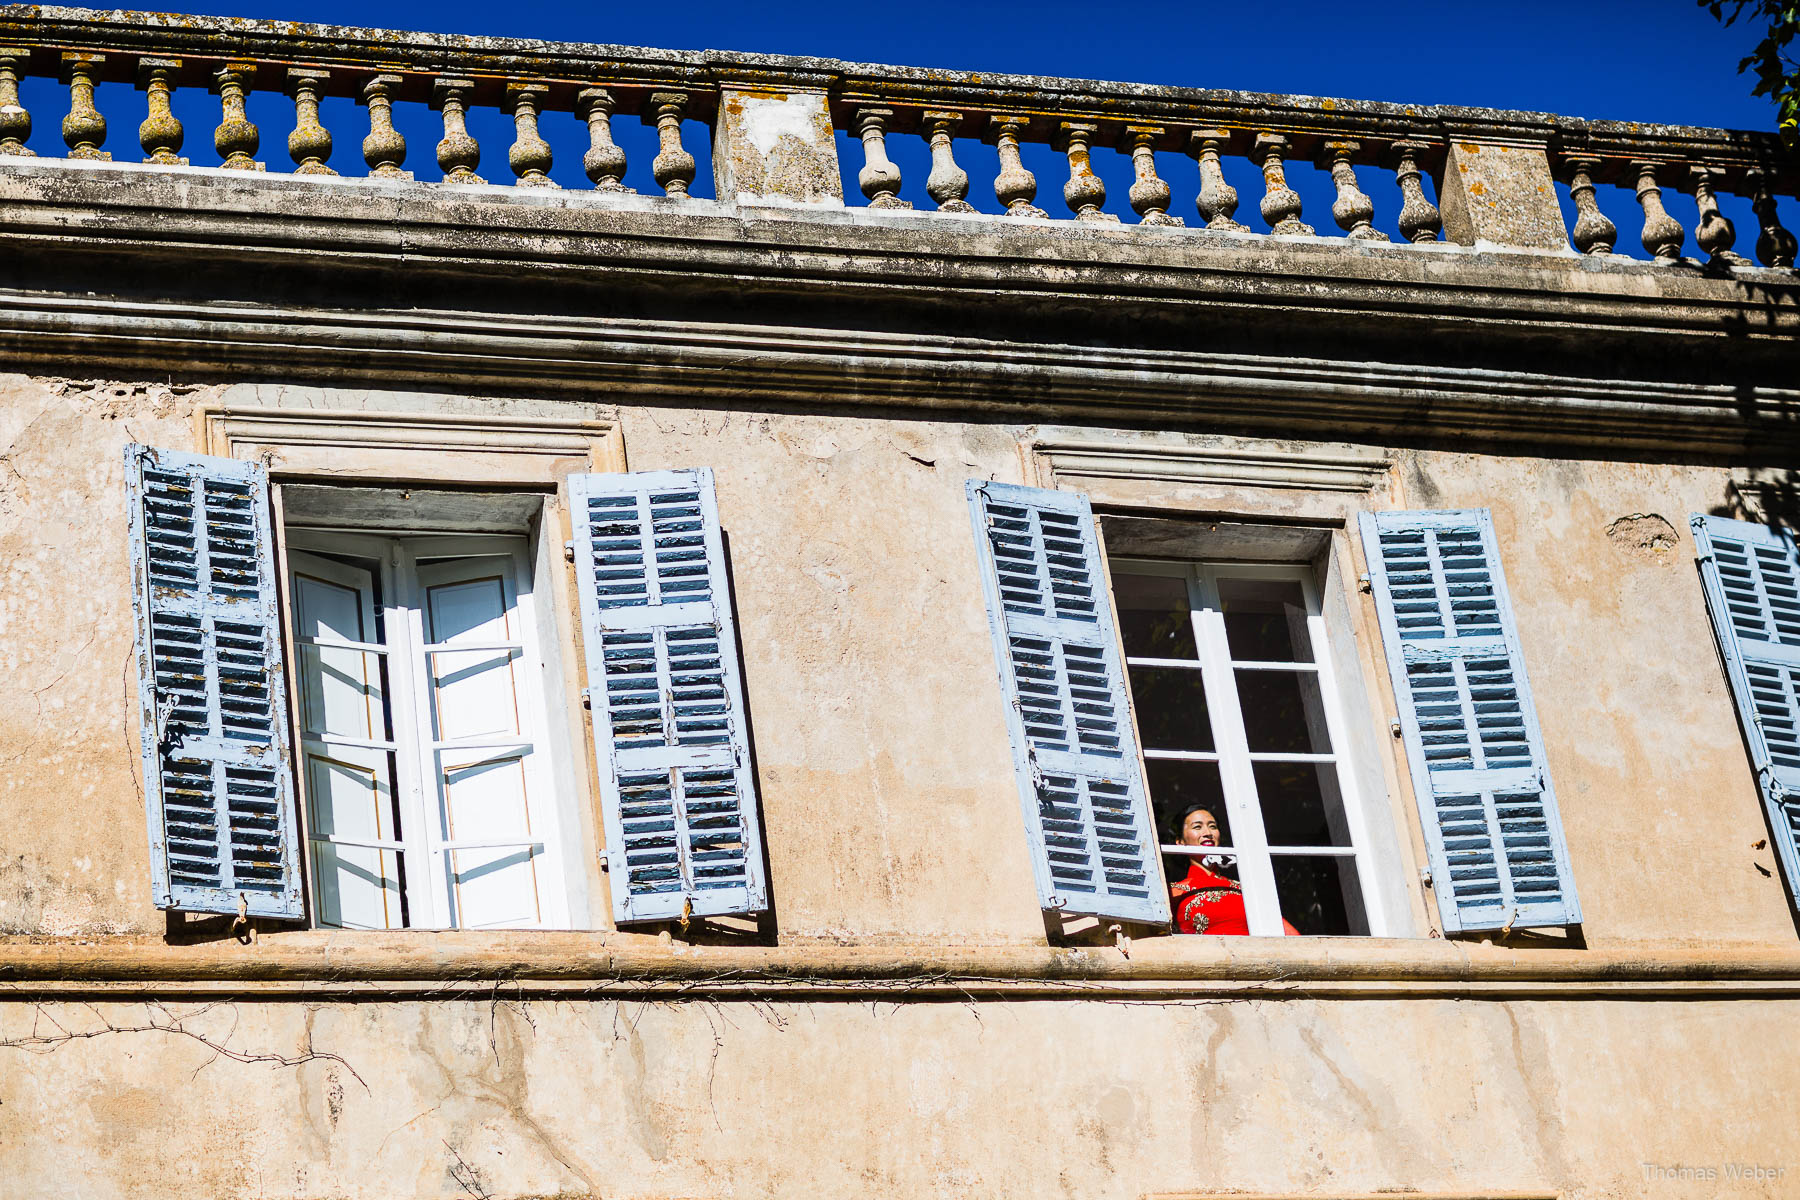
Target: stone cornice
(292, 965)
(192, 272)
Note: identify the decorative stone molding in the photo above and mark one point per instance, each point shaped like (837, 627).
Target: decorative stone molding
(369, 963)
(413, 446)
(1272, 466)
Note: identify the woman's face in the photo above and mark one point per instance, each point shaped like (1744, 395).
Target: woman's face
(1199, 828)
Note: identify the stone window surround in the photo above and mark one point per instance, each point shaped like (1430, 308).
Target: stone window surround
(1279, 500)
(384, 447)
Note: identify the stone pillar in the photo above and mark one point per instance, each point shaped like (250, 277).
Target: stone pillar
(1495, 193)
(775, 144)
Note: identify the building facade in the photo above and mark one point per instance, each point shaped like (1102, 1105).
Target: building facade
(516, 690)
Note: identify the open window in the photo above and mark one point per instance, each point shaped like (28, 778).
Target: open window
(425, 643)
(1237, 709)
(420, 732)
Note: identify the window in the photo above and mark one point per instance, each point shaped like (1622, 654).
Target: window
(438, 764)
(1232, 686)
(419, 733)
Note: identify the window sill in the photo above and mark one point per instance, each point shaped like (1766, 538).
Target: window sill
(318, 963)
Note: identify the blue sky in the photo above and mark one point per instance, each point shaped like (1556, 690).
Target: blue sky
(1639, 60)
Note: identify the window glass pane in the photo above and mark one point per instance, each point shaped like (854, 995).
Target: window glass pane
(1171, 708)
(1301, 804)
(1283, 712)
(1265, 619)
(1320, 895)
(1153, 616)
(1176, 785)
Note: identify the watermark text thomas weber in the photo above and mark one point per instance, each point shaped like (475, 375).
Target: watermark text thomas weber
(1747, 1172)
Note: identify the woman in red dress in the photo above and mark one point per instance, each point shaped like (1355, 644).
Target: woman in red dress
(1206, 902)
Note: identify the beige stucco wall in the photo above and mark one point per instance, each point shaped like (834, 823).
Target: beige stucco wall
(949, 1100)
(886, 779)
(891, 816)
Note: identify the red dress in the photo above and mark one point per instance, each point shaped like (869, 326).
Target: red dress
(1209, 903)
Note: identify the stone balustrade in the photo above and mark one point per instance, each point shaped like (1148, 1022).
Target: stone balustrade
(775, 125)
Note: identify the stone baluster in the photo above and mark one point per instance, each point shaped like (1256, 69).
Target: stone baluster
(673, 167)
(530, 156)
(1353, 211)
(84, 129)
(1217, 200)
(15, 121)
(1014, 186)
(605, 161)
(1775, 246)
(1663, 234)
(310, 143)
(161, 134)
(880, 177)
(384, 149)
(236, 139)
(1420, 221)
(1085, 192)
(1593, 232)
(1280, 203)
(458, 154)
(948, 183)
(1149, 195)
(1714, 233)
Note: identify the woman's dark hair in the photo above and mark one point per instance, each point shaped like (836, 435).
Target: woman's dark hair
(1209, 807)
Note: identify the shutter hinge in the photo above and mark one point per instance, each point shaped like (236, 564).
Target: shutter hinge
(1364, 584)
(1425, 876)
(587, 697)
(569, 550)
(1394, 728)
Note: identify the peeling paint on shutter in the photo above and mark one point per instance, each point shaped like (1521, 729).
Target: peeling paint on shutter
(1752, 578)
(212, 703)
(679, 798)
(1080, 780)
(1498, 858)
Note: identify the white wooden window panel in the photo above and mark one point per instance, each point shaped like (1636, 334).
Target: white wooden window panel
(213, 708)
(478, 840)
(1252, 851)
(345, 760)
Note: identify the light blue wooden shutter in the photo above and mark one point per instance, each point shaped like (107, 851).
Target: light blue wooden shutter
(1080, 780)
(1752, 579)
(679, 798)
(212, 697)
(1497, 853)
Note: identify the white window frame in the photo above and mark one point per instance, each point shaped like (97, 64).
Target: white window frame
(429, 886)
(1231, 749)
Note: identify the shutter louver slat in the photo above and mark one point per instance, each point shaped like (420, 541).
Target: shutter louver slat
(1080, 782)
(1751, 576)
(213, 708)
(679, 799)
(1477, 757)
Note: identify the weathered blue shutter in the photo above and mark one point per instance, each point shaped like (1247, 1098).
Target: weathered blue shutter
(679, 798)
(1498, 858)
(1752, 579)
(1080, 781)
(212, 701)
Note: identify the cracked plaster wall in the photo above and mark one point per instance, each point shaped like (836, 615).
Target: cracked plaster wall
(1078, 1099)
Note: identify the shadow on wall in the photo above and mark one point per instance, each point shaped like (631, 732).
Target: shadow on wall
(1766, 495)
